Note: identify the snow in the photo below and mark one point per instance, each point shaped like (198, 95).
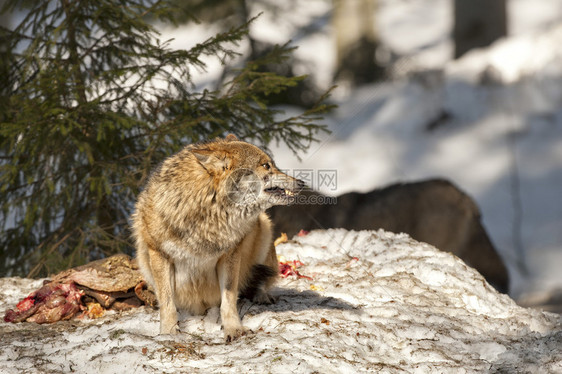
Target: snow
(400, 306)
(526, 16)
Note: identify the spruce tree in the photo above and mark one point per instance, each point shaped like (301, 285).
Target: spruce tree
(225, 14)
(91, 102)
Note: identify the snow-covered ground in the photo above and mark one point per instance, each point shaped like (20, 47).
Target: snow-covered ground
(377, 302)
(500, 141)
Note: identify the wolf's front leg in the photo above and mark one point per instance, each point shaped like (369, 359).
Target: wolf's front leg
(228, 269)
(163, 274)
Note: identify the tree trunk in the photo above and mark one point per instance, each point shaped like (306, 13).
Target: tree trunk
(74, 56)
(356, 41)
(478, 23)
(5, 21)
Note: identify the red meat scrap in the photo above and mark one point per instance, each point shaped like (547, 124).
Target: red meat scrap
(52, 302)
(288, 268)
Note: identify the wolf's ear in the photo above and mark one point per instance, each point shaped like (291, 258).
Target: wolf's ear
(211, 160)
(231, 138)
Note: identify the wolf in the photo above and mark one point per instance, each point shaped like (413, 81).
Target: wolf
(201, 232)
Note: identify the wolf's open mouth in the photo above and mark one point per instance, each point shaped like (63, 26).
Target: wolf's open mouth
(279, 191)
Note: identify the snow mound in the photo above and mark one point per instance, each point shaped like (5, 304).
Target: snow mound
(378, 302)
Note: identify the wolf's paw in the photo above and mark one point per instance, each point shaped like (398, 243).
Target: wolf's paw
(233, 333)
(172, 329)
(262, 297)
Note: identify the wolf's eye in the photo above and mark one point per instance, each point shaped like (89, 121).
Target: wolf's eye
(266, 166)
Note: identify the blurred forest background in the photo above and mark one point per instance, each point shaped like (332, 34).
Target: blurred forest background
(93, 96)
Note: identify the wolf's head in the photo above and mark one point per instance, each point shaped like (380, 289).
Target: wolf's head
(245, 175)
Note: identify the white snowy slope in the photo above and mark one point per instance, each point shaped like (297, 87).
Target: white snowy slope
(490, 122)
(378, 302)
